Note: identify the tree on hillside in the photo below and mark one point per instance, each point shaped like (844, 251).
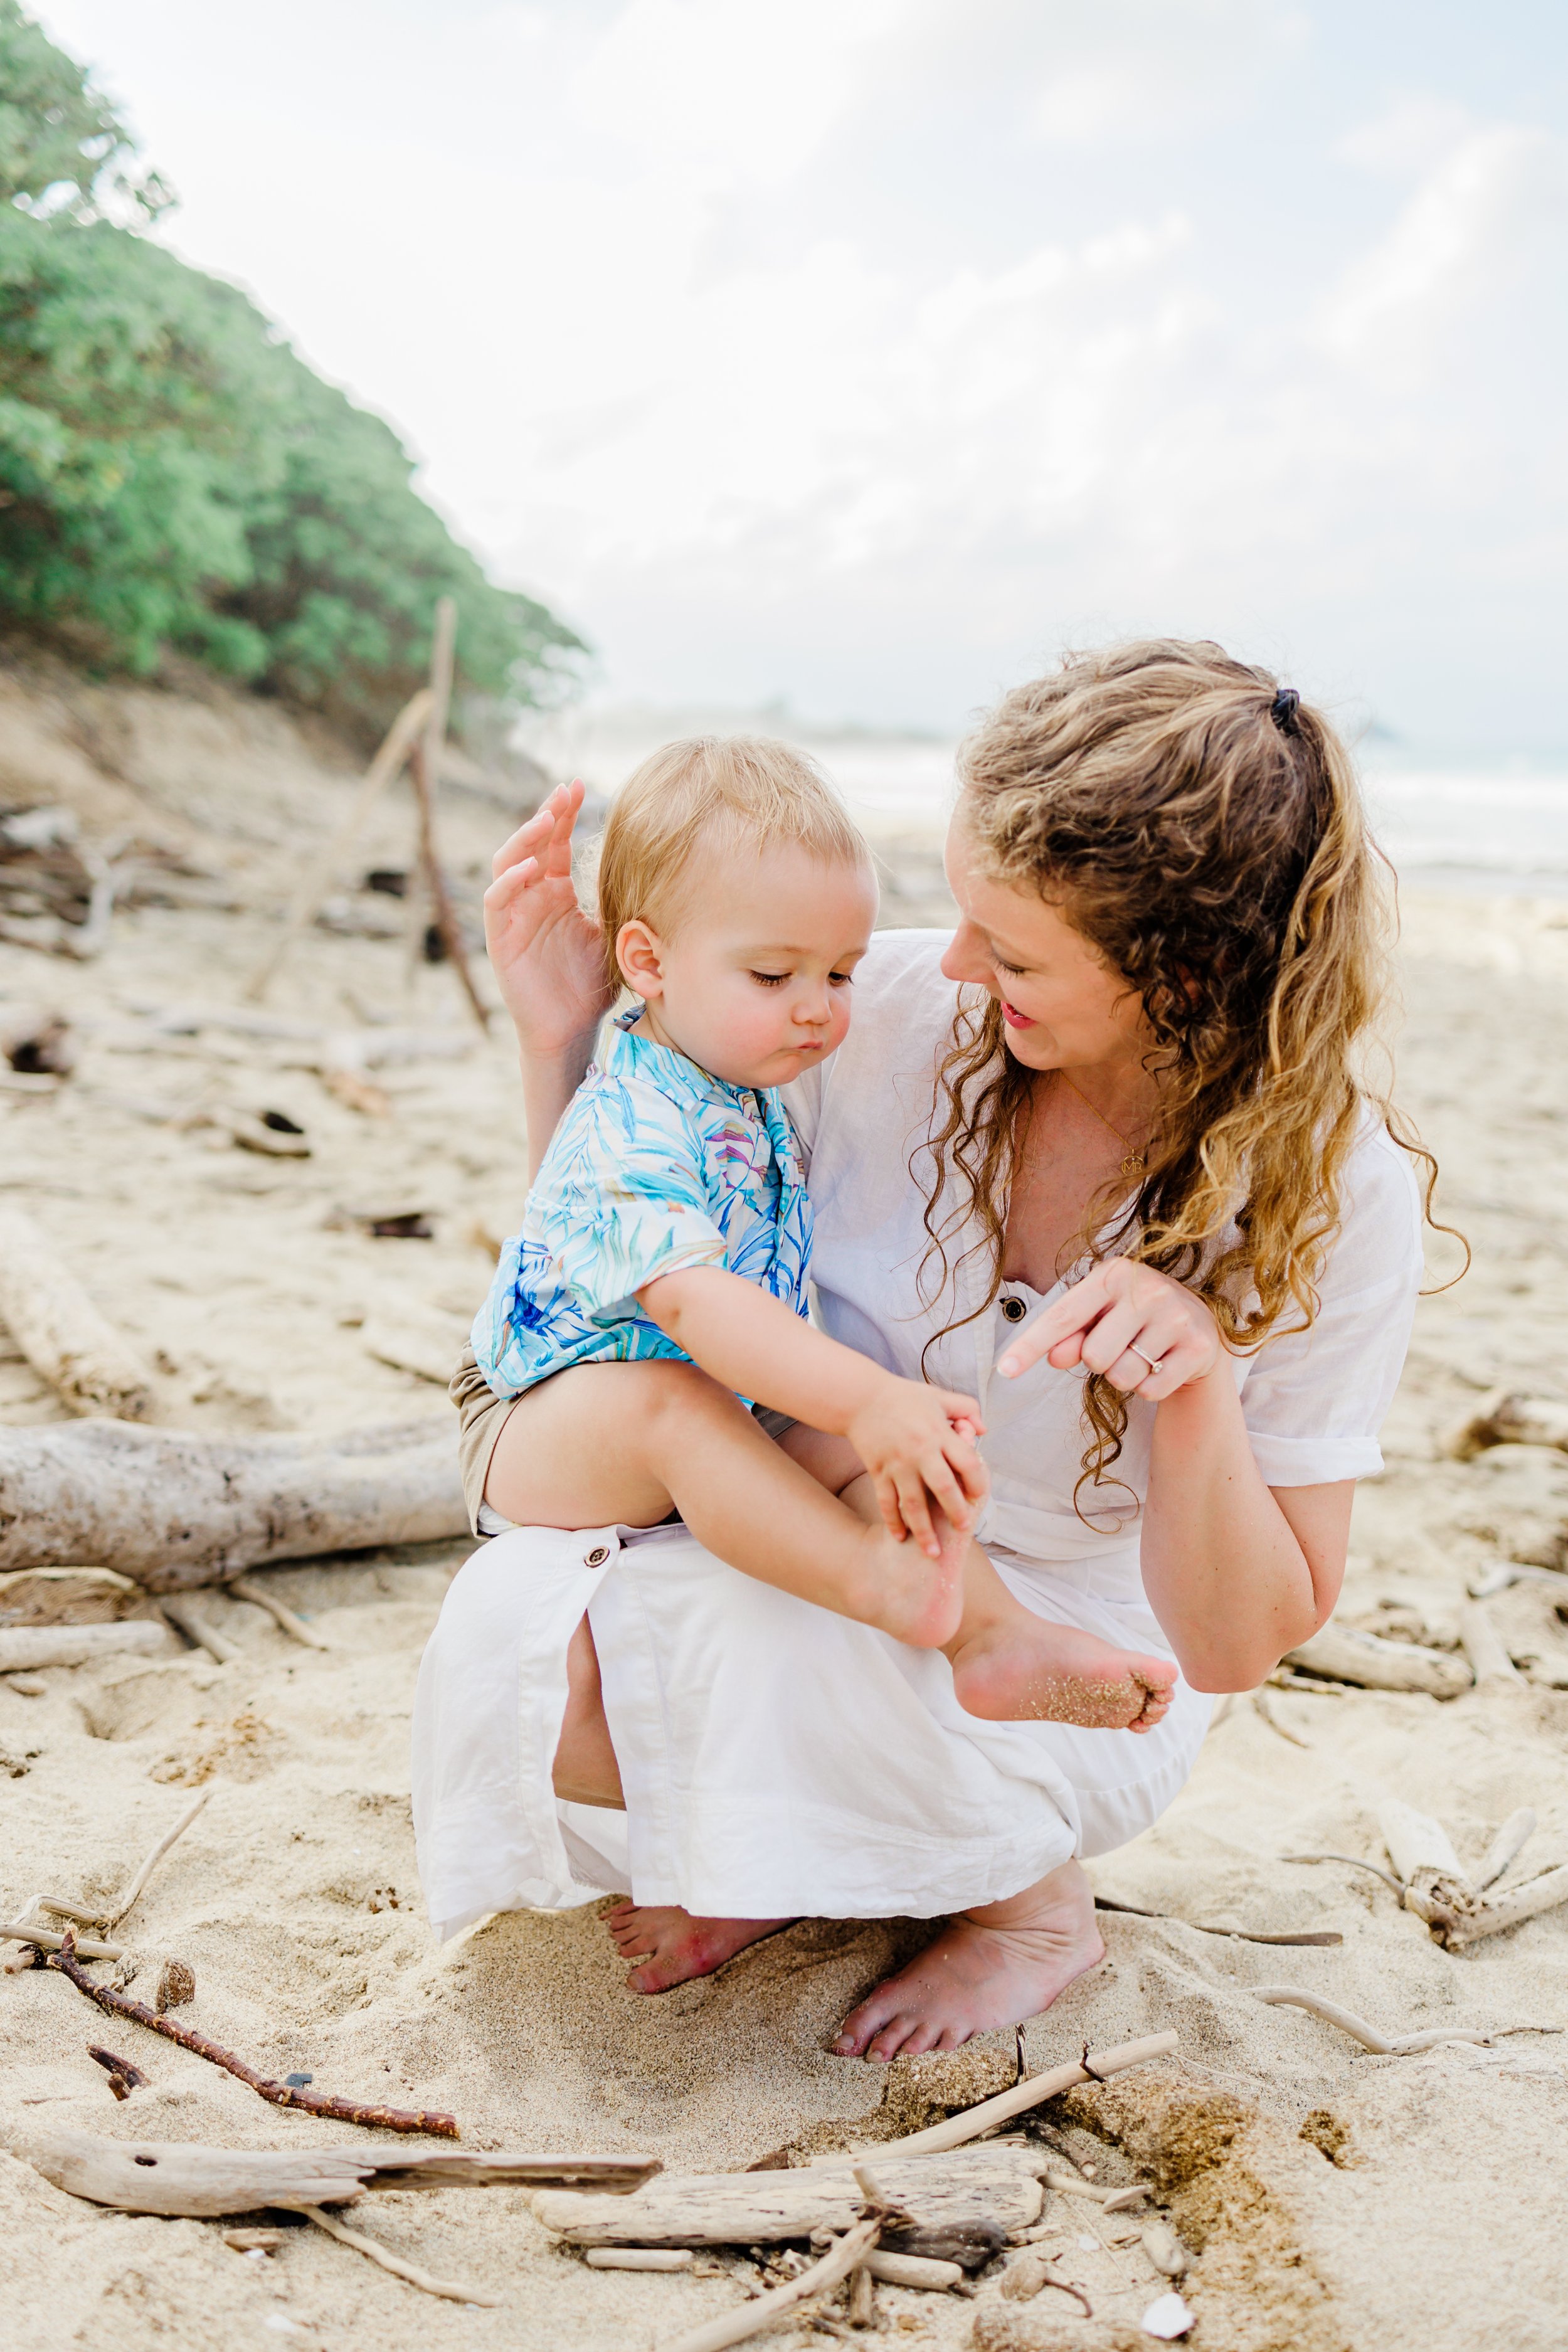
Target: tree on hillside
(172, 475)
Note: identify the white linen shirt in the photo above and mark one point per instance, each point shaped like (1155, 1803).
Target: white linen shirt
(1313, 1400)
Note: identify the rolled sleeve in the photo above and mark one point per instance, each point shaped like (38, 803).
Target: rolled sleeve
(1314, 1400)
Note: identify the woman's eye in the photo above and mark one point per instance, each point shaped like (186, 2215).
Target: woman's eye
(1002, 963)
(770, 978)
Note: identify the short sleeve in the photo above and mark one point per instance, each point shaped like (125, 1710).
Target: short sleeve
(624, 1200)
(1314, 1400)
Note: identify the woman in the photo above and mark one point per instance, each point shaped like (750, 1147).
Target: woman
(1100, 1159)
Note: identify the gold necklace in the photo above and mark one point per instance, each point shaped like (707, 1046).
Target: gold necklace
(1135, 1162)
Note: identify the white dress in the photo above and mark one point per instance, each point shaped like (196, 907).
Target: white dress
(778, 1759)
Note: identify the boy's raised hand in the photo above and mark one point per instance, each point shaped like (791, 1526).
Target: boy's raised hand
(918, 1445)
(547, 953)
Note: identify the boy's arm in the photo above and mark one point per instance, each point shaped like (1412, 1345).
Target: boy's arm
(902, 1431)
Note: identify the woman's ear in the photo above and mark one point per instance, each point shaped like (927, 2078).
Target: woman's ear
(639, 952)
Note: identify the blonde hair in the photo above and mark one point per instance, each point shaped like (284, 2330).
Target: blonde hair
(706, 795)
(1203, 829)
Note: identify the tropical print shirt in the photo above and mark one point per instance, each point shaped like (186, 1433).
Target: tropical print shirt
(655, 1166)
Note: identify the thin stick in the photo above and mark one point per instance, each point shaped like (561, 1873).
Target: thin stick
(1508, 1844)
(134, 1891)
(1352, 1861)
(195, 1628)
(734, 2328)
(393, 2263)
(440, 899)
(280, 2095)
(18, 1932)
(400, 738)
(1323, 1935)
(1272, 1721)
(1405, 2045)
(1091, 2068)
(283, 1617)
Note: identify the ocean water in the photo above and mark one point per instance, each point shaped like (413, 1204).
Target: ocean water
(1474, 828)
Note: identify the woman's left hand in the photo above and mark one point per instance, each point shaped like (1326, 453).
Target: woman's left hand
(1143, 1331)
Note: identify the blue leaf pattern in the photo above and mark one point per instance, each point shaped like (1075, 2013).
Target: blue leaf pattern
(655, 1166)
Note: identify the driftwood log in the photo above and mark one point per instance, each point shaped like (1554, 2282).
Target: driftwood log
(59, 1330)
(980, 2189)
(1502, 1417)
(1347, 1656)
(176, 2177)
(176, 1511)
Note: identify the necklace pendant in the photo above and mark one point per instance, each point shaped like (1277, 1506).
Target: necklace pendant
(1134, 1164)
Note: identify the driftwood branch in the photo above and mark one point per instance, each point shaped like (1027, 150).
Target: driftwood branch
(175, 1511)
(62, 1909)
(1490, 1661)
(1323, 1936)
(199, 1629)
(389, 2262)
(1470, 1925)
(1351, 1862)
(24, 1649)
(1093, 2067)
(401, 736)
(250, 1588)
(718, 2335)
(1404, 2045)
(1506, 1846)
(1502, 1417)
(1347, 1656)
(280, 2095)
(991, 2188)
(446, 916)
(48, 1939)
(59, 1330)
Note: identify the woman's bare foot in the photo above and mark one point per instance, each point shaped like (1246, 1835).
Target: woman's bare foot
(1023, 1668)
(678, 1946)
(993, 1966)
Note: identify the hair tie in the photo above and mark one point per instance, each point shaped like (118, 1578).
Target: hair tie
(1283, 709)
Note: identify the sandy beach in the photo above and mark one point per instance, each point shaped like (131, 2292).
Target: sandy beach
(1334, 2201)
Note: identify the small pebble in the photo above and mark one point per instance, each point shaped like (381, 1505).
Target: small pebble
(176, 1986)
(298, 2081)
(1169, 2317)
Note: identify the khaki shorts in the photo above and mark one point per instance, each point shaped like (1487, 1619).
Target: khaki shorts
(482, 1415)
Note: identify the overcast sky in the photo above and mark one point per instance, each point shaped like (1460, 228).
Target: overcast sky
(863, 352)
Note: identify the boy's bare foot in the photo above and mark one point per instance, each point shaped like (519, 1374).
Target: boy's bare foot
(908, 1594)
(1023, 1668)
(995, 1966)
(678, 1946)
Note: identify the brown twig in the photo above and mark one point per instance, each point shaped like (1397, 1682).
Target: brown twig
(280, 2095)
(440, 898)
(123, 2077)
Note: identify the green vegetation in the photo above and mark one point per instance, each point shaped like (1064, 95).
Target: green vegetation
(172, 476)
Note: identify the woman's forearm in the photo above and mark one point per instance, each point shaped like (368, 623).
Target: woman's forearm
(549, 1083)
(1225, 1573)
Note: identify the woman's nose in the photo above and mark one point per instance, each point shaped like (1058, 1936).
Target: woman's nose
(965, 957)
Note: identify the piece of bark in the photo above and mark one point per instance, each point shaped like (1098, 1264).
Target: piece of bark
(1348, 1656)
(1504, 1417)
(175, 1511)
(26, 1648)
(977, 2189)
(280, 2095)
(1490, 1661)
(90, 1366)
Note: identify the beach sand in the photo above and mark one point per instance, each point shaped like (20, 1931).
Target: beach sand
(1333, 2198)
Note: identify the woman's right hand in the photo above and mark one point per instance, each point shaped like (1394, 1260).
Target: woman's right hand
(547, 953)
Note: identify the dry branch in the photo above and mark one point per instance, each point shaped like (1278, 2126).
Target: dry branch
(1323, 1935)
(1470, 1925)
(1506, 1846)
(1352, 1861)
(59, 1330)
(1383, 2045)
(247, 1588)
(393, 2263)
(399, 738)
(1347, 1656)
(1093, 2067)
(998, 2187)
(176, 1511)
(48, 1939)
(24, 1649)
(718, 2335)
(200, 1631)
(280, 2095)
(1490, 1661)
(1502, 1417)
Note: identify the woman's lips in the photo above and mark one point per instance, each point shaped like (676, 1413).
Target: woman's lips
(1014, 1018)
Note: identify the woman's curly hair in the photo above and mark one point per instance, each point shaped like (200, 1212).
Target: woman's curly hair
(1203, 830)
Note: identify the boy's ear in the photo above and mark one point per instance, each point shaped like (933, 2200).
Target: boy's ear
(639, 952)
